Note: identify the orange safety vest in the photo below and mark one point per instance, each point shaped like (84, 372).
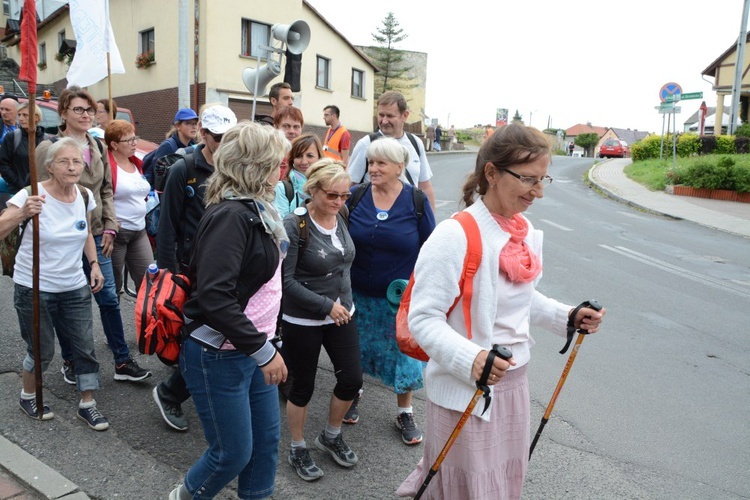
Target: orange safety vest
(331, 146)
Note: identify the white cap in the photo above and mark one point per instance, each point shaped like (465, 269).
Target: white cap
(218, 119)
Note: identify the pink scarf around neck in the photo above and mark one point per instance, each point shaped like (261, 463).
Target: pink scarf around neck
(517, 260)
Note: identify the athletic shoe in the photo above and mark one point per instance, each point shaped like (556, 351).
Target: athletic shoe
(352, 414)
(130, 370)
(69, 373)
(171, 413)
(410, 433)
(29, 408)
(93, 418)
(337, 447)
(178, 493)
(302, 462)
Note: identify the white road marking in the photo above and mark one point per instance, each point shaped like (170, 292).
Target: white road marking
(680, 271)
(632, 215)
(554, 224)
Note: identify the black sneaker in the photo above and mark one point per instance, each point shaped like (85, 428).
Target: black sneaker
(69, 373)
(352, 414)
(93, 418)
(339, 450)
(171, 413)
(130, 370)
(302, 462)
(29, 408)
(410, 433)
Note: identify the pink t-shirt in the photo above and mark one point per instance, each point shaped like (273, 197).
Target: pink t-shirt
(263, 307)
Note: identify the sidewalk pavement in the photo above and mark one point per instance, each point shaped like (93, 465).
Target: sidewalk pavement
(727, 216)
(23, 477)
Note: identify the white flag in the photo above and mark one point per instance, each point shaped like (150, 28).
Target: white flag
(94, 37)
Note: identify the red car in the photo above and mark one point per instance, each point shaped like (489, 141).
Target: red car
(614, 148)
(51, 120)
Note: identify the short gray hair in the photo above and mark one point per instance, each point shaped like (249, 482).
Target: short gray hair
(59, 145)
(389, 149)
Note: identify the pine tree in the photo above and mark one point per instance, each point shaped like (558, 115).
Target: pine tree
(517, 118)
(388, 59)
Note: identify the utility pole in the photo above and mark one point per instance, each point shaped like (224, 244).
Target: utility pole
(183, 68)
(739, 62)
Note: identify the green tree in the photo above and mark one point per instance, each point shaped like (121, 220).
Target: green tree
(588, 142)
(388, 59)
(517, 118)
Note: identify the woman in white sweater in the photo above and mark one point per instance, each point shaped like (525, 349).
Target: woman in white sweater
(510, 174)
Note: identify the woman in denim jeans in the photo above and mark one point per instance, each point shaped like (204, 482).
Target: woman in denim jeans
(228, 362)
(64, 294)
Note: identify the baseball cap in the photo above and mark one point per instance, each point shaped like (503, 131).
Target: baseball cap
(185, 114)
(218, 119)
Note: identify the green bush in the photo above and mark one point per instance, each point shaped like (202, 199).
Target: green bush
(708, 175)
(741, 177)
(646, 148)
(743, 130)
(688, 144)
(725, 145)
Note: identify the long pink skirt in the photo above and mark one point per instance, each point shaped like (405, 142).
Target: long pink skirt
(489, 459)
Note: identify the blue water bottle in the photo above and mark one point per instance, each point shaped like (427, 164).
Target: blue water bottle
(153, 271)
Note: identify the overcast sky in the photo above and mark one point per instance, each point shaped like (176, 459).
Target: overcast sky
(564, 62)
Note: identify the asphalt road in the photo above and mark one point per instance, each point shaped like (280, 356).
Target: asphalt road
(654, 407)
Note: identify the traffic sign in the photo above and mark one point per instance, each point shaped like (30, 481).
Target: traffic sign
(692, 95)
(673, 98)
(666, 105)
(670, 88)
(666, 111)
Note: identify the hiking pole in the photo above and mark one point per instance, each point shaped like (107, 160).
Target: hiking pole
(482, 390)
(581, 335)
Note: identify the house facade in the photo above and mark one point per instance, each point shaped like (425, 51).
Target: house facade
(224, 39)
(624, 134)
(723, 72)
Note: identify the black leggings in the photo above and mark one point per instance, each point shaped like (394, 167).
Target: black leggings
(301, 352)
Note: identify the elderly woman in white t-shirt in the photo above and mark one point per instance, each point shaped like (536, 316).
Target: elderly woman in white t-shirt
(130, 188)
(64, 294)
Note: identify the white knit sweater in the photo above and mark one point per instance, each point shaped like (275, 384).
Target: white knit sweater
(448, 378)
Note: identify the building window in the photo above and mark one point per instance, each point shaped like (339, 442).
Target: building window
(254, 34)
(323, 79)
(42, 54)
(146, 42)
(358, 83)
(60, 39)
(6, 7)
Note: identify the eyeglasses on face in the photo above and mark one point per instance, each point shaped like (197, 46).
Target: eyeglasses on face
(131, 140)
(530, 181)
(332, 195)
(79, 110)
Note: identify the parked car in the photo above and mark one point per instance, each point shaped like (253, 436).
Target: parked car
(51, 120)
(614, 148)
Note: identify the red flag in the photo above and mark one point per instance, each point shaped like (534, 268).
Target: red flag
(29, 53)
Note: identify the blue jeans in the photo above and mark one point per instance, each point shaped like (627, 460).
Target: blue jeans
(68, 314)
(240, 418)
(109, 309)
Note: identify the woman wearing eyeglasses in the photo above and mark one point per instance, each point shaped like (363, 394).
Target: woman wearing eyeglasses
(490, 456)
(130, 189)
(77, 108)
(317, 312)
(389, 224)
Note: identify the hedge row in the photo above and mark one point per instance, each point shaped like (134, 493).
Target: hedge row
(708, 174)
(689, 144)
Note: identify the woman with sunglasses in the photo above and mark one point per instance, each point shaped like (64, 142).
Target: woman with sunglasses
(77, 108)
(130, 189)
(317, 312)
(306, 150)
(388, 230)
(490, 456)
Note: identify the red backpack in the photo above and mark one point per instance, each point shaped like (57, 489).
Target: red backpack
(473, 258)
(158, 314)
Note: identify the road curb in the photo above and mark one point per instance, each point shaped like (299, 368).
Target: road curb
(36, 475)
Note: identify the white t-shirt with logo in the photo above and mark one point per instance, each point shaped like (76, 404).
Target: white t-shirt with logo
(130, 199)
(63, 229)
(418, 166)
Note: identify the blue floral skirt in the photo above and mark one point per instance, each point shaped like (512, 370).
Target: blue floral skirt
(381, 357)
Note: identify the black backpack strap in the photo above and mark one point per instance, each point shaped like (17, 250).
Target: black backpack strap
(418, 197)
(16, 139)
(344, 213)
(357, 196)
(304, 232)
(373, 137)
(288, 190)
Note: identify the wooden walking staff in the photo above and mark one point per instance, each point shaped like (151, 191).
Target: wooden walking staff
(28, 74)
